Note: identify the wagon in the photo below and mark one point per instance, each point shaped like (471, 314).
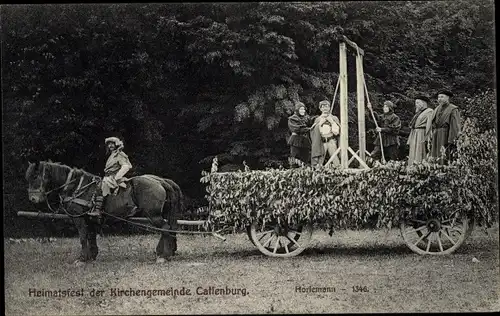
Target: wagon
(430, 236)
(424, 234)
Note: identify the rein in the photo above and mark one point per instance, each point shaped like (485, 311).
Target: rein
(75, 198)
(68, 199)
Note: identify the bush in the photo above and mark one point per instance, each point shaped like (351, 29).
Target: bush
(332, 198)
(481, 108)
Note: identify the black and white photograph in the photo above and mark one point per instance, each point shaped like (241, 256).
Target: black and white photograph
(250, 158)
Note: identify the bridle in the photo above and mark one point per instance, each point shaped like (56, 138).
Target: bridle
(66, 199)
(74, 198)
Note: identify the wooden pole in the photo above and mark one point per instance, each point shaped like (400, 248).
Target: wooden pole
(361, 106)
(353, 45)
(344, 140)
(40, 215)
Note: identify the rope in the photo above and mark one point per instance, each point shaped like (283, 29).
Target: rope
(373, 115)
(335, 94)
(59, 187)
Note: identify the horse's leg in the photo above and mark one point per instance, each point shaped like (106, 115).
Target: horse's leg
(152, 196)
(170, 241)
(169, 237)
(166, 246)
(92, 241)
(175, 243)
(162, 252)
(159, 249)
(83, 230)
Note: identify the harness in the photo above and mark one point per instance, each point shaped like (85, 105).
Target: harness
(74, 198)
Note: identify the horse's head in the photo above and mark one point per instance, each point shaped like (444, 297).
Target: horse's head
(44, 177)
(38, 180)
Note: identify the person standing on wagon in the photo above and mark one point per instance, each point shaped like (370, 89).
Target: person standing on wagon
(418, 126)
(116, 167)
(325, 134)
(299, 142)
(443, 127)
(389, 125)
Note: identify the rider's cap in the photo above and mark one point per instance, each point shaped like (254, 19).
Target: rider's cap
(114, 140)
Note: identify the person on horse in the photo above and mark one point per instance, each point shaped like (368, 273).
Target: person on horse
(116, 167)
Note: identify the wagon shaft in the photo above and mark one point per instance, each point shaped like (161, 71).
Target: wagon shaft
(41, 215)
(64, 216)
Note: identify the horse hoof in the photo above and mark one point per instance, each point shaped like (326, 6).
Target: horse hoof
(160, 260)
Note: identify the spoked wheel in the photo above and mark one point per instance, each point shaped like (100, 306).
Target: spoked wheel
(432, 236)
(249, 233)
(276, 240)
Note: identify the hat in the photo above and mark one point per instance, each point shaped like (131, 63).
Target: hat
(390, 104)
(299, 105)
(446, 92)
(423, 97)
(324, 103)
(118, 143)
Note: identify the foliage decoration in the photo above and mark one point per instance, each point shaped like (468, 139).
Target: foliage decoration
(380, 197)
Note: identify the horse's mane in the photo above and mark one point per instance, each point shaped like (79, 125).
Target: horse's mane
(58, 171)
(29, 171)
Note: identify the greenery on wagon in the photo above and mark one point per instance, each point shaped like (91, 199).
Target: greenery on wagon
(380, 197)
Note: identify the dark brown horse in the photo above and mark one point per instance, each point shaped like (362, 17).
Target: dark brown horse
(158, 199)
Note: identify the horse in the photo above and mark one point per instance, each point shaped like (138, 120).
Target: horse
(159, 199)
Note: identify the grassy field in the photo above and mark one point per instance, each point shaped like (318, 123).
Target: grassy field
(396, 279)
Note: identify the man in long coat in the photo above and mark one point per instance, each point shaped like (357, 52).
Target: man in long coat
(389, 126)
(325, 134)
(299, 142)
(417, 140)
(443, 127)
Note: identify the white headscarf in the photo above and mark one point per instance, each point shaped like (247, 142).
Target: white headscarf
(118, 143)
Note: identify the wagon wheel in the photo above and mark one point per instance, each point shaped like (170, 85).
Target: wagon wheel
(432, 236)
(283, 240)
(469, 230)
(249, 234)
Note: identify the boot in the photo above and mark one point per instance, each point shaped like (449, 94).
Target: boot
(96, 211)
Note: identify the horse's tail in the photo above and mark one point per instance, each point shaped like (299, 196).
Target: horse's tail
(176, 198)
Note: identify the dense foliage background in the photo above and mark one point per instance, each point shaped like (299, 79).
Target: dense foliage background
(181, 83)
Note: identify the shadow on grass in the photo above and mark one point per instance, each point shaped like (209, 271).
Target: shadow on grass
(367, 251)
(342, 251)
(143, 252)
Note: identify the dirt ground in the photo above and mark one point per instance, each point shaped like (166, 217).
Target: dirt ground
(394, 278)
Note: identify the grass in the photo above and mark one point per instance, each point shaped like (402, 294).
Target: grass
(397, 280)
